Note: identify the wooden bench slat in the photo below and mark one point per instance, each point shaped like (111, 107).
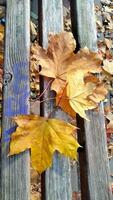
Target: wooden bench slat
(2, 2)
(15, 171)
(58, 177)
(94, 165)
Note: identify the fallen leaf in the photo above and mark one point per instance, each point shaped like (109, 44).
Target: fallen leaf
(54, 59)
(108, 9)
(1, 36)
(87, 61)
(43, 136)
(84, 93)
(109, 128)
(108, 43)
(59, 59)
(33, 28)
(107, 109)
(78, 92)
(2, 12)
(98, 94)
(100, 26)
(1, 28)
(106, 2)
(110, 148)
(108, 66)
(91, 78)
(100, 91)
(63, 101)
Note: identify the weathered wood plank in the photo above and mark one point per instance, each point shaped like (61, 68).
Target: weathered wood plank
(95, 166)
(57, 178)
(2, 2)
(34, 10)
(15, 178)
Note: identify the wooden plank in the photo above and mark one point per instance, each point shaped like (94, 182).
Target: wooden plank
(34, 10)
(94, 165)
(15, 171)
(2, 2)
(57, 178)
(75, 177)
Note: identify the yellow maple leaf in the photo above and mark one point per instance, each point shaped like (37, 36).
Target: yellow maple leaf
(63, 101)
(84, 93)
(59, 59)
(78, 92)
(43, 136)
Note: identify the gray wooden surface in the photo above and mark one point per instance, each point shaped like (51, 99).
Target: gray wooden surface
(58, 177)
(95, 173)
(111, 169)
(15, 178)
(2, 2)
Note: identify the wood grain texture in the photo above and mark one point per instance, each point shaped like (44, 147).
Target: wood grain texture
(58, 177)
(15, 171)
(95, 173)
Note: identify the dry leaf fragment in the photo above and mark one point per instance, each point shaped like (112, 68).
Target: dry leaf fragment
(108, 43)
(109, 129)
(100, 26)
(1, 29)
(98, 94)
(43, 136)
(100, 91)
(108, 66)
(33, 28)
(106, 2)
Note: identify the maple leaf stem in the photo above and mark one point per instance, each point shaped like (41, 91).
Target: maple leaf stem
(47, 99)
(61, 79)
(47, 87)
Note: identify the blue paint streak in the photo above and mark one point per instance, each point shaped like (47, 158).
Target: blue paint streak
(19, 77)
(9, 131)
(6, 140)
(20, 94)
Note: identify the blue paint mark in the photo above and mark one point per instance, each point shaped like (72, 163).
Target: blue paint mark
(21, 63)
(6, 140)
(9, 131)
(19, 77)
(17, 90)
(20, 94)
(21, 105)
(7, 104)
